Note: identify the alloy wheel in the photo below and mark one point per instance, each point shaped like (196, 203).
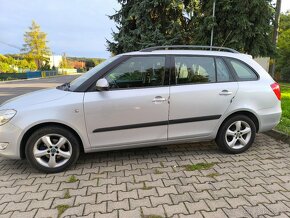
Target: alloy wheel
(238, 134)
(52, 150)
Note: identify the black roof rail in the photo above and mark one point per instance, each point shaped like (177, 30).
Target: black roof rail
(192, 47)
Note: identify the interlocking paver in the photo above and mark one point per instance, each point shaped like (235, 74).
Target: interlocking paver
(114, 214)
(278, 207)
(197, 206)
(130, 194)
(35, 204)
(20, 206)
(8, 198)
(160, 200)
(185, 197)
(166, 190)
(98, 208)
(219, 203)
(236, 212)
(175, 209)
(218, 213)
(258, 210)
(62, 201)
(18, 214)
(135, 203)
(130, 213)
(157, 211)
(106, 197)
(90, 199)
(42, 213)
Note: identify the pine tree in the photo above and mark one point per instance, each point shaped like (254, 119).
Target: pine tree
(36, 45)
(243, 25)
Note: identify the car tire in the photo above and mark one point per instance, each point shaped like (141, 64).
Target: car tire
(236, 134)
(52, 149)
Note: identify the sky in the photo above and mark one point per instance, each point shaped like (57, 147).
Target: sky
(75, 27)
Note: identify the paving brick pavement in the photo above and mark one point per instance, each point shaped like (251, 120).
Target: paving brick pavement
(153, 181)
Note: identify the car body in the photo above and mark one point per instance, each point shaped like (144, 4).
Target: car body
(145, 98)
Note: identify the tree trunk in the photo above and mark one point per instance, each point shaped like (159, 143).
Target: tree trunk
(275, 34)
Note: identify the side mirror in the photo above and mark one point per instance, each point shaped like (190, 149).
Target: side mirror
(102, 85)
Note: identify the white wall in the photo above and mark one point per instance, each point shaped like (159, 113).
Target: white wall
(264, 62)
(54, 60)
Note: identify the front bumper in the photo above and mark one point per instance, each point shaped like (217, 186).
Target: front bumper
(10, 134)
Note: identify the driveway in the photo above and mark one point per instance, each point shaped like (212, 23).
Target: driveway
(154, 182)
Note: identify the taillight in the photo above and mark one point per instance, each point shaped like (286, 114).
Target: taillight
(276, 89)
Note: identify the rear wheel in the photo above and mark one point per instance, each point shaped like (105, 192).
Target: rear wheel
(236, 134)
(52, 149)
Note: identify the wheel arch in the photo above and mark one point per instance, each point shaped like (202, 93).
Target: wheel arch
(40, 125)
(249, 114)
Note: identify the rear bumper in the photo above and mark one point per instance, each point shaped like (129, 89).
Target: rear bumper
(268, 119)
(10, 134)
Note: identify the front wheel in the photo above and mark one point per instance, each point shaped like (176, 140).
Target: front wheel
(52, 149)
(236, 134)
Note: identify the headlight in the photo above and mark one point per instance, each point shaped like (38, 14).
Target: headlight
(6, 115)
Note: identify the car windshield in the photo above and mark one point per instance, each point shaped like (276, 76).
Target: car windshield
(78, 81)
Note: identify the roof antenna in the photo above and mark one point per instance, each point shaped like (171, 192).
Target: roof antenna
(226, 39)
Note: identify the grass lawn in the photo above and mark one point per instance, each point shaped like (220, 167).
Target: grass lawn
(284, 125)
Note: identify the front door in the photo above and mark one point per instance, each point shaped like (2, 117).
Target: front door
(134, 109)
(202, 90)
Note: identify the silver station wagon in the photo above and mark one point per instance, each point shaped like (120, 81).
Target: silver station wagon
(159, 95)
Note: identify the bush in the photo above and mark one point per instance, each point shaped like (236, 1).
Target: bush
(285, 73)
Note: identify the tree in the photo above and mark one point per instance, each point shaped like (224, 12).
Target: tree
(8, 64)
(36, 45)
(89, 64)
(283, 49)
(64, 62)
(243, 25)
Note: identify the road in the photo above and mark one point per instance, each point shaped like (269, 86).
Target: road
(140, 183)
(12, 89)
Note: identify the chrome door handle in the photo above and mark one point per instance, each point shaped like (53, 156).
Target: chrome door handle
(225, 92)
(158, 100)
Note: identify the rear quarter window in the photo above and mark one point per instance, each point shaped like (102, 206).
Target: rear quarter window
(243, 72)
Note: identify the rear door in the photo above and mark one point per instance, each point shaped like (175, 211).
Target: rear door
(134, 109)
(201, 91)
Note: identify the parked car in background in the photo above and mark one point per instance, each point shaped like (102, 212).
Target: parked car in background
(159, 95)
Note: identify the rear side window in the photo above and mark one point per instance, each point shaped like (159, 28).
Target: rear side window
(243, 72)
(194, 70)
(138, 72)
(223, 73)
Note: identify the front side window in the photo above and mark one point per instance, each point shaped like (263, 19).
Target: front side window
(242, 71)
(194, 69)
(138, 72)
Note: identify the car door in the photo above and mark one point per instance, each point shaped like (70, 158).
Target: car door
(202, 90)
(135, 108)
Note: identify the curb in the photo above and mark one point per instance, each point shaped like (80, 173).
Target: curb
(278, 136)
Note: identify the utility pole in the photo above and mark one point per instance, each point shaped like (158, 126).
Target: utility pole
(275, 34)
(213, 16)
